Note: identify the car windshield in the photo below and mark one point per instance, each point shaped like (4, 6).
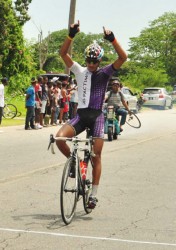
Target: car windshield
(152, 91)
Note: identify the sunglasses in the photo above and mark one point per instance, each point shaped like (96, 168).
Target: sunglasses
(93, 61)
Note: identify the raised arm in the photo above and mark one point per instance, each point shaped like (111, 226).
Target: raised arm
(74, 29)
(122, 56)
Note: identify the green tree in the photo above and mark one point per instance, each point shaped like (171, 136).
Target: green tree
(81, 41)
(155, 48)
(21, 8)
(14, 55)
(137, 77)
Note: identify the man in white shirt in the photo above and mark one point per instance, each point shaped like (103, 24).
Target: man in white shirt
(2, 84)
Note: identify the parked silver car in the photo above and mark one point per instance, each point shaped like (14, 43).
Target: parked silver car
(157, 97)
(131, 99)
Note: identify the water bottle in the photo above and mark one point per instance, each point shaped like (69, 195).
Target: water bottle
(83, 175)
(83, 166)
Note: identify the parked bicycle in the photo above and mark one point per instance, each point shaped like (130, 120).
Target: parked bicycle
(10, 111)
(73, 189)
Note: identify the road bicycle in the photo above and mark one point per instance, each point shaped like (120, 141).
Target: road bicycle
(10, 111)
(73, 189)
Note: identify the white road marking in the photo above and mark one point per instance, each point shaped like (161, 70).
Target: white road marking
(85, 237)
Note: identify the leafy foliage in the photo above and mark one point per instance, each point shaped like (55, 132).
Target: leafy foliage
(155, 49)
(21, 7)
(15, 57)
(81, 41)
(152, 55)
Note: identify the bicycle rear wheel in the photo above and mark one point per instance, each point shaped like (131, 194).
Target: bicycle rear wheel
(69, 192)
(9, 111)
(133, 121)
(87, 188)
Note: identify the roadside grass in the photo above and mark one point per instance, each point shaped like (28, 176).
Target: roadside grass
(12, 122)
(19, 102)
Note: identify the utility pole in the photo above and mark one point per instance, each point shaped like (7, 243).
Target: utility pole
(70, 21)
(40, 39)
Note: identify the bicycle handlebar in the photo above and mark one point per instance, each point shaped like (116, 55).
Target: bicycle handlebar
(73, 139)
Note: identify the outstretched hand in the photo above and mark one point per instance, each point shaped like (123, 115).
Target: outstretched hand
(74, 29)
(108, 35)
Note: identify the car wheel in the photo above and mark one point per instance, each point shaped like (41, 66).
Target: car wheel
(171, 106)
(164, 106)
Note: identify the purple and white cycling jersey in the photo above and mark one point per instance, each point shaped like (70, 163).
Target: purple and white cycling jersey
(91, 93)
(91, 85)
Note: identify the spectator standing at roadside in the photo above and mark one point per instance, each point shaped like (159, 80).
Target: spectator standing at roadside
(58, 97)
(3, 83)
(63, 100)
(67, 104)
(38, 102)
(50, 98)
(73, 100)
(45, 99)
(54, 102)
(30, 105)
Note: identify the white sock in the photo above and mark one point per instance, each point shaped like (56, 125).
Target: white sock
(94, 190)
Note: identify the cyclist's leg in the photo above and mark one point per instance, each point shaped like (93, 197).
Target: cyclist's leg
(98, 145)
(98, 133)
(65, 131)
(70, 129)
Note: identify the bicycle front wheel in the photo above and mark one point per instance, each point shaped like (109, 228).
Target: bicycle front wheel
(133, 121)
(9, 111)
(69, 192)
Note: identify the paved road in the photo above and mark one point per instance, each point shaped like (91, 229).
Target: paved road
(137, 201)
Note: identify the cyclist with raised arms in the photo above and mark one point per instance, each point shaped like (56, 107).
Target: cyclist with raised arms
(92, 83)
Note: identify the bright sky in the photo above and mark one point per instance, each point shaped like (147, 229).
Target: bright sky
(126, 18)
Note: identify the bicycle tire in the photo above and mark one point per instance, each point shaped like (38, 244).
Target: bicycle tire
(110, 133)
(133, 121)
(18, 114)
(9, 111)
(87, 187)
(69, 193)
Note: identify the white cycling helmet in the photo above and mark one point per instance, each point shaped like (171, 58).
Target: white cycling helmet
(94, 51)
